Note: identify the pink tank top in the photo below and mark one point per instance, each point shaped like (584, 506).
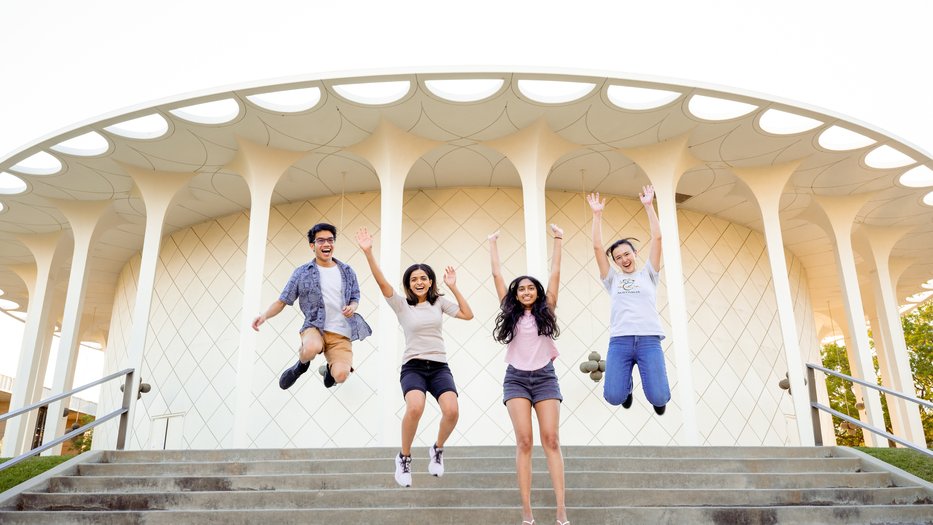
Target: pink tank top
(528, 350)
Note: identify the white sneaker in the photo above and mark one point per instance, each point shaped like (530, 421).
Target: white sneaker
(436, 461)
(403, 470)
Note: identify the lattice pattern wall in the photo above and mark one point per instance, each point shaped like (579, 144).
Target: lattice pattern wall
(190, 357)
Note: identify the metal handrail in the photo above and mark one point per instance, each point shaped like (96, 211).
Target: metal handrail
(63, 395)
(123, 412)
(816, 407)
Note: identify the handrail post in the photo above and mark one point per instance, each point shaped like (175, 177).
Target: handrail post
(124, 418)
(814, 412)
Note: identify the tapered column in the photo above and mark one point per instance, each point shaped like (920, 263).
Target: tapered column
(881, 338)
(767, 185)
(261, 167)
(158, 189)
(391, 152)
(664, 164)
(84, 217)
(38, 279)
(533, 151)
(840, 214)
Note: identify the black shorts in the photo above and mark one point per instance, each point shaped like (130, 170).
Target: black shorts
(427, 376)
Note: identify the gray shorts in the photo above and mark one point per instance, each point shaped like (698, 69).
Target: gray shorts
(533, 385)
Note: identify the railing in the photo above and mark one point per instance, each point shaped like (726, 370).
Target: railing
(123, 412)
(816, 407)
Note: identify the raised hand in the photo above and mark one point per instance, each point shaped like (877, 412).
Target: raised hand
(596, 204)
(364, 239)
(557, 231)
(450, 276)
(646, 195)
(492, 237)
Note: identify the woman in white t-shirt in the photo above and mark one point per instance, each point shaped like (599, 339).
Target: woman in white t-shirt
(424, 362)
(635, 330)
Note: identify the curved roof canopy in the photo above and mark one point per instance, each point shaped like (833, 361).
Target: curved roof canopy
(602, 115)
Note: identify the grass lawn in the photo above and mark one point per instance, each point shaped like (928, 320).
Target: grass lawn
(904, 459)
(29, 468)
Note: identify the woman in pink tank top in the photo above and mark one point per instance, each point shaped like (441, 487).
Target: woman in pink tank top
(527, 324)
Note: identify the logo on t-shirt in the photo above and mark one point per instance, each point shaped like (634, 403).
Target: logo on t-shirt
(628, 285)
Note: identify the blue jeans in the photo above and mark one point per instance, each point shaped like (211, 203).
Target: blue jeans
(645, 351)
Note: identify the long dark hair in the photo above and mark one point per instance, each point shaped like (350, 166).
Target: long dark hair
(511, 310)
(410, 297)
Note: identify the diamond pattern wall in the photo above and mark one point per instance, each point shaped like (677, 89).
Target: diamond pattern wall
(190, 356)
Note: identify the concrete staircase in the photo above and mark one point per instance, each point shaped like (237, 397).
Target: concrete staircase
(605, 485)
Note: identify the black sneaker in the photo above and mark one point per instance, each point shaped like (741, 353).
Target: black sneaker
(660, 410)
(329, 380)
(628, 401)
(292, 373)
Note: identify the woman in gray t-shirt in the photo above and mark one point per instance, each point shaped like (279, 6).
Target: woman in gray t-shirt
(424, 363)
(635, 331)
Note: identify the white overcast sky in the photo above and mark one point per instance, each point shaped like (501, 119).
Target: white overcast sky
(65, 63)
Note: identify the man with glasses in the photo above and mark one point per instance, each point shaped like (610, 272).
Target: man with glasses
(328, 294)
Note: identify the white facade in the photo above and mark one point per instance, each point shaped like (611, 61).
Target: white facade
(190, 353)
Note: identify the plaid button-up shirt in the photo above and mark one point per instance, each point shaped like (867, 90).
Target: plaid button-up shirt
(305, 285)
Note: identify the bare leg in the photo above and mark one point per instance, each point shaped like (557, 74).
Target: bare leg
(520, 414)
(450, 414)
(414, 408)
(548, 412)
(340, 371)
(312, 344)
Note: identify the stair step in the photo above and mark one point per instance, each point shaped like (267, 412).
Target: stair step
(172, 456)
(474, 464)
(490, 480)
(698, 515)
(398, 497)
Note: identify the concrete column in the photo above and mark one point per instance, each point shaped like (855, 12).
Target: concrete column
(261, 167)
(391, 152)
(533, 151)
(38, 279)
(881, 338)
(893, 350)
(84, 217)
(767, 186)
(158, 189)
(840, 214)
(664, 163)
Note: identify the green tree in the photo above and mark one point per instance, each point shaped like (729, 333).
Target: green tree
(82, 442)
(841, 398)
(918, 334)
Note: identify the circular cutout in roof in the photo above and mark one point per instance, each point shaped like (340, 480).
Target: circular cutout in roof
(287, 101)
(886, 157)
(928, 199)
(465, 89)
(6, 304)
(41, 163)
(216, 112)
(919, 297)
(836, 138)
(90, 144)
(919, 177)
(11, 185)
(713, 108)
(374, 93)
(554, 91)
(630, 97)
(779, 122)
(148, 127)
(929, 284)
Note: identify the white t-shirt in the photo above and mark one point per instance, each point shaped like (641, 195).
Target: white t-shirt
(633, 297)
(332, 290)
(422, 327)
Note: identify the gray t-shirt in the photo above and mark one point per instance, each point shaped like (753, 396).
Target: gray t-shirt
(633, 298)
(422, 327)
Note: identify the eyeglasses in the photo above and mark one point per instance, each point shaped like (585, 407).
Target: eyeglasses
(324, 240)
